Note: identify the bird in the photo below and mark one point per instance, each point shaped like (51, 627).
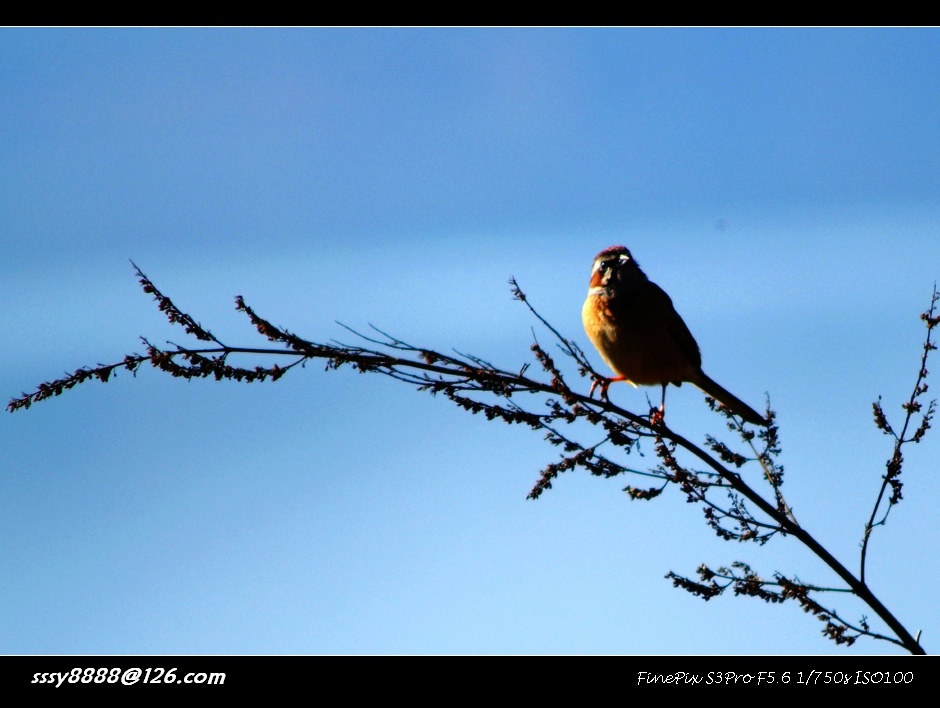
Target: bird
(633, 325)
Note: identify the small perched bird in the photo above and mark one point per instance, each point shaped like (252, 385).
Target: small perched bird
(637, 331)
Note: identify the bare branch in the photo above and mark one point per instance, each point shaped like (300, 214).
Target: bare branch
(593, 434)
(891, 479)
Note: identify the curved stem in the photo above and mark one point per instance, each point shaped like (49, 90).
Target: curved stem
(789, 525)
(858, 586)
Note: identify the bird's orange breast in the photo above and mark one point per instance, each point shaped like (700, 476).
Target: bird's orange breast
(636, 342)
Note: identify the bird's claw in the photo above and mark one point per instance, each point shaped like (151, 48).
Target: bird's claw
(604, 384)
(657, 417)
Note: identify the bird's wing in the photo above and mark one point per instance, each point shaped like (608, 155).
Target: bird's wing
(674, 324)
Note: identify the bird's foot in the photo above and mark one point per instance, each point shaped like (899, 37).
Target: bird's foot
(604, 383)
(657, 417)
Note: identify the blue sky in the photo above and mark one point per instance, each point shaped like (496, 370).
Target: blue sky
(781, 184)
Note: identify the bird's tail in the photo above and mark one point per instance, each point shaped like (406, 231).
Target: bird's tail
(737, 406)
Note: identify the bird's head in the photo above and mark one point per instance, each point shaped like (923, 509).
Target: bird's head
(615, 266)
